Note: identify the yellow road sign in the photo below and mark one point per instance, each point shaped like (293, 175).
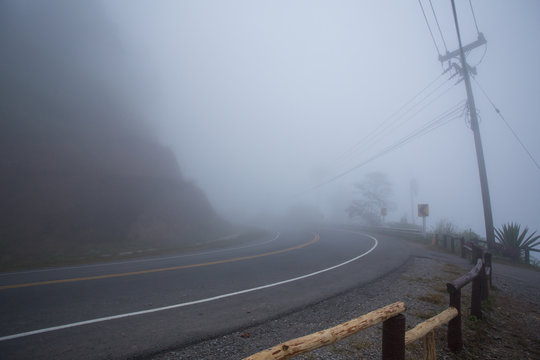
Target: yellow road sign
(423, 210)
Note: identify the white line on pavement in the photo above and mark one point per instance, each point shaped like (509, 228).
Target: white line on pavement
(142, 312)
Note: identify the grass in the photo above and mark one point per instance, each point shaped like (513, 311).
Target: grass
(107, 253)
(433, 298)
(361, 344)
(424, 315)
(416, 279)
(453, 269)
(441, 287)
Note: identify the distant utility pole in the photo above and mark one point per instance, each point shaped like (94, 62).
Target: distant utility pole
(488, 216)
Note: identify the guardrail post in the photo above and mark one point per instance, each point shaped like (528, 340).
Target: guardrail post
(393, 338)
(454, 339)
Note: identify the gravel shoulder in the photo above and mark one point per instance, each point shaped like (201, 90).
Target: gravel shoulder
(510, 329)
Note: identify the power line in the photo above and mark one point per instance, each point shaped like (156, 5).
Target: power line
(507, 124)
(438, 26)
(482, 57)
(454, 112)
(419, 132)
(377, 136)
(392, 120)
(429, 27)
(474, 17)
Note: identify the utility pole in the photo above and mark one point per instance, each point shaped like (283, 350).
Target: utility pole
(488, 216)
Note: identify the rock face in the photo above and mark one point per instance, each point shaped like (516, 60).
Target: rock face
(78, 170)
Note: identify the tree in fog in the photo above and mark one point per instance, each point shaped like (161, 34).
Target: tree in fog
(376, 193)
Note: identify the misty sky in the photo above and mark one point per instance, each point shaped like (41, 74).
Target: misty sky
(263, 100)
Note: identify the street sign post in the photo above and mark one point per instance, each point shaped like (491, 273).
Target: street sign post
(384, 211)
(423, 212)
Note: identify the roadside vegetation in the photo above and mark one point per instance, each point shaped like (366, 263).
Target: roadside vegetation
(512, 242)
(516, 243)
(115, 252)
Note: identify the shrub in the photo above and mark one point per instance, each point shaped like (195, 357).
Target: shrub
(514, 241)
(445, 227)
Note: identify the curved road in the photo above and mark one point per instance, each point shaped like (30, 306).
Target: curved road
(133, 308)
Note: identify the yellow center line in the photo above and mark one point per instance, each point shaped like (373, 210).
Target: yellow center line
(132, 273)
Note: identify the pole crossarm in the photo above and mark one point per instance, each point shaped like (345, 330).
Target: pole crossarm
(452, 54)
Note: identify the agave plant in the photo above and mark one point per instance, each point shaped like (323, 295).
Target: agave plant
(513, 240)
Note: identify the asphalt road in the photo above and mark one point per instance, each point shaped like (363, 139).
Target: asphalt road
(136, 308)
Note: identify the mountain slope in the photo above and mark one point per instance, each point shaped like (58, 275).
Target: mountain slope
(80, 173)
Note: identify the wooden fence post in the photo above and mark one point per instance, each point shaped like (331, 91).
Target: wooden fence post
(393, 338)
(484, 290)
(430, 351)
(476, 253)
(476, 297)
(462, 241)
(454, 339)
(487, 260)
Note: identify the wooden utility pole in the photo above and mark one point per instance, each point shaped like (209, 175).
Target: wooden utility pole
(488, 216)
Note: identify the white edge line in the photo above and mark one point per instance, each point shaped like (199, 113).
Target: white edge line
(278, 234)
(142, 312)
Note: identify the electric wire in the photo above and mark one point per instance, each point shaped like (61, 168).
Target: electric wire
(507, 124)
(447, 116)
(438, 26)
(429, 27)
(482, 57)
(388, 122)
(417, 133)
(474, 17)
(412, 116)
(385, 129)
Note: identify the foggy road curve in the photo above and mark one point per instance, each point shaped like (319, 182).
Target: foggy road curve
(251, 275)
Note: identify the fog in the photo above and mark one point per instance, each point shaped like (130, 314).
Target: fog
(272, 105)
(262, 102)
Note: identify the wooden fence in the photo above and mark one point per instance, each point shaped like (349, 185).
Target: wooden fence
(480, 276)
(394, 337)
(528, 255)
(467, 249)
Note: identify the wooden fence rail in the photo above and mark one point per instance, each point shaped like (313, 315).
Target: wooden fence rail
(425, 330)
(394, 337)
(326, 337)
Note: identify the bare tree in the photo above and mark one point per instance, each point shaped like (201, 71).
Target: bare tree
(376, 193)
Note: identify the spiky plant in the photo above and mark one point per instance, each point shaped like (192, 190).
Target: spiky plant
(514, 240)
